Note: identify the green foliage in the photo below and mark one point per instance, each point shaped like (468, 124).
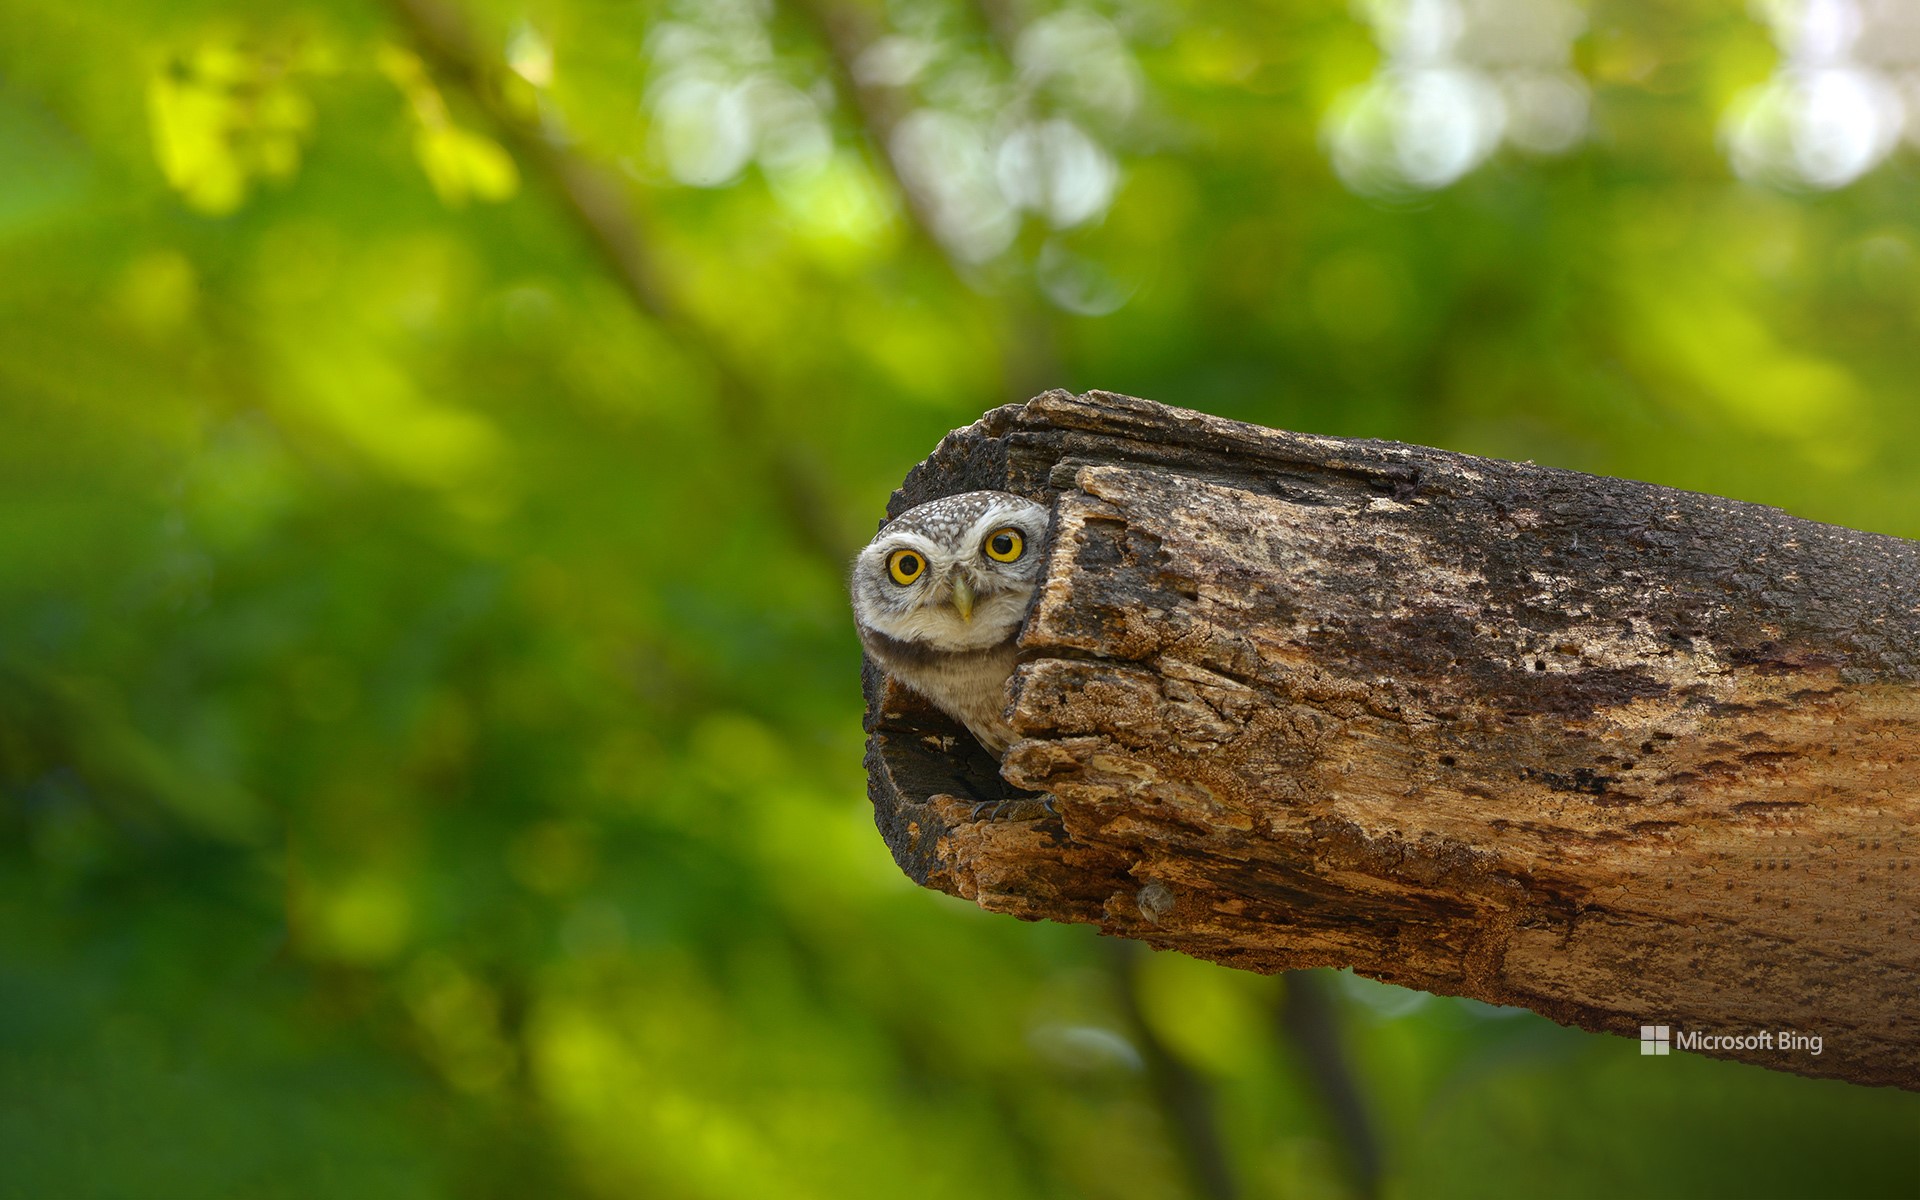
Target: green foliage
(429, 734)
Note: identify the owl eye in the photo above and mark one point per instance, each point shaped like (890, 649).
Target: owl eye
(1005, 545)
(905, 566)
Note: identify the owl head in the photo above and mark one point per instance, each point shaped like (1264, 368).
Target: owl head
(953, 574)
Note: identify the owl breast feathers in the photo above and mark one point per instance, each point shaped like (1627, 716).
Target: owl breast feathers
(939, 596)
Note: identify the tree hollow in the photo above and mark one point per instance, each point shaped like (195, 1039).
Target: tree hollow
(1619, 754)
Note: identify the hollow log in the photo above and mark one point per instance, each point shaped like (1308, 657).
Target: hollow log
(1619, 754)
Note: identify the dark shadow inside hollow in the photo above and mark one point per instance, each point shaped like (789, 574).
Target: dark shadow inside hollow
(914, 753)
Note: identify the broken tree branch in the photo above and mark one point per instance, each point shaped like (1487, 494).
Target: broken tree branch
(1616, 753)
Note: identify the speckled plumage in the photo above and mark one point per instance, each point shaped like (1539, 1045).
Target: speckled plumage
(919, 633)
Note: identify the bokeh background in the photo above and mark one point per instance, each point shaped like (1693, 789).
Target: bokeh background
(432, 434)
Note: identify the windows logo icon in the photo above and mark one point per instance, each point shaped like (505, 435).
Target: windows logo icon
(1654, 1039)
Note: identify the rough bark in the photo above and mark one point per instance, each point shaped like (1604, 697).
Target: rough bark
(1616, 753)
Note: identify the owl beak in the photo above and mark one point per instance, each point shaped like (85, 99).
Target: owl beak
(963, 598)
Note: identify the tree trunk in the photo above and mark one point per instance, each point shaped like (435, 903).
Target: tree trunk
(1619, 754)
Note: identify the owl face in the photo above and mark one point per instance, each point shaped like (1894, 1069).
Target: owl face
(953, 574)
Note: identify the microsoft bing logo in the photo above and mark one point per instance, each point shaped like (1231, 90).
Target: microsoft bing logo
(1663, 1039)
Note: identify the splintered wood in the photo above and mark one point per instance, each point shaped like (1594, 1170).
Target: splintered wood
(1616, 753)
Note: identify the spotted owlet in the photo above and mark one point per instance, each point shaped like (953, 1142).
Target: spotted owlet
(939, 596)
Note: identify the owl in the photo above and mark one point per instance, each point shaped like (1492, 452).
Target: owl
(939, 596)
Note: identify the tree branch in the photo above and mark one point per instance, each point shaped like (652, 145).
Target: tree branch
(1029, 339)
(603, 209)
(1183, 1095)
(1309, 1019)
(1616, 753)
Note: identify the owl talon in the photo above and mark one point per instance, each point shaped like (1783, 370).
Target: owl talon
(994, 810)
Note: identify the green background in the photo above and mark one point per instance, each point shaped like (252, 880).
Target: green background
(429, 714)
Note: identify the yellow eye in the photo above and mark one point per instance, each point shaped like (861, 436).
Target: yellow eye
(905, 566)
(1005, 545)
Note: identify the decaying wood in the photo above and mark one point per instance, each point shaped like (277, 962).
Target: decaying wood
(1616, 753)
